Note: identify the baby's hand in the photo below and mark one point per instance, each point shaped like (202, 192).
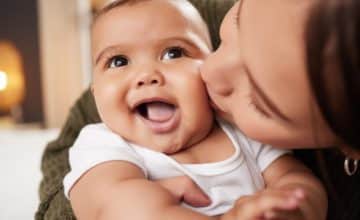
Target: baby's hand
(184, 189)
(269, 204)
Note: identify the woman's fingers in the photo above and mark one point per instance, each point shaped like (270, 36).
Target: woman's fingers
(283, 215)
(194, 196)
(184, 189)
(290, 210)
(174, 186)
(269, 204)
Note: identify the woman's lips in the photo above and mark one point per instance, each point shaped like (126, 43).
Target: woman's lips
(213, 105)
(217, 109)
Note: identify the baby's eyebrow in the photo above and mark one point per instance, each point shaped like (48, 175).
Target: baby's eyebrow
(105, 51)
(197, 44)
(178, 39)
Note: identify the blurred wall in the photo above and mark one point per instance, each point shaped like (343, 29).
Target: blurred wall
(65, 48)
(19, 24)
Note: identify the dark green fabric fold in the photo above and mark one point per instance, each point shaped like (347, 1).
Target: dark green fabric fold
(54, 166)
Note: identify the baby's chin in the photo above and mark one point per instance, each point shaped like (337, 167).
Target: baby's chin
(167, 148)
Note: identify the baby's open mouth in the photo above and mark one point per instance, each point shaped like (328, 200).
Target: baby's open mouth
(159, 116)
(156, 111)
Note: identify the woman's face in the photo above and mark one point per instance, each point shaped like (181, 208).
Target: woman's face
(257, 78)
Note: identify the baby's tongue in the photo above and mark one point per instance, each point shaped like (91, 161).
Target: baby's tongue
(159, 111)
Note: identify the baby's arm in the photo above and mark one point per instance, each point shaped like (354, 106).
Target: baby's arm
(107, 181)
(118, 190)
(292, 192)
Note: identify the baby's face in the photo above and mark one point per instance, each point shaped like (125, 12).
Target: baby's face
(147, 84)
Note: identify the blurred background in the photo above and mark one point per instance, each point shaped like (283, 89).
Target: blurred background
(44, 67)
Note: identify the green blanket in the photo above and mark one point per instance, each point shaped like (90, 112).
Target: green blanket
(55, 164)
(53, 204)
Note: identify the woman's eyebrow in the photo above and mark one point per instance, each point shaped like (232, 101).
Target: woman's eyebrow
(266, 99)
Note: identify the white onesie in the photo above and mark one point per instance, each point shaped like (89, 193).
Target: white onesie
(224, 182)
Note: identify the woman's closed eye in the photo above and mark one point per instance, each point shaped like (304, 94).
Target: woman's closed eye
(259, 110)
(117, 61)
(173, 53)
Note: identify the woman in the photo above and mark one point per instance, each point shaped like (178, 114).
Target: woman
(294, 79)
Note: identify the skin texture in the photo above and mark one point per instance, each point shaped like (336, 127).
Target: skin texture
(115, 189)
(262, 85)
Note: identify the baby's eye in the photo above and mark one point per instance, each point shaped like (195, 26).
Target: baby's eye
(118, 61)
(173, 53)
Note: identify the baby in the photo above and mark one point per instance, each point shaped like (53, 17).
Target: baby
(158, 124)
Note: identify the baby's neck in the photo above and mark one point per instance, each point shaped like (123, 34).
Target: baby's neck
(215, 147)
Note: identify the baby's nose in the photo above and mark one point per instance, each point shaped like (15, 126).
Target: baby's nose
(150, 80)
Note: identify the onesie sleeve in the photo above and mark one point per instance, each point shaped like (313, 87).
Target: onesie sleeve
(97, 144)
(265, 154)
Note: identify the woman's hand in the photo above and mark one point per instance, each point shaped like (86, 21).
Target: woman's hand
(184, 189)
(269, 204)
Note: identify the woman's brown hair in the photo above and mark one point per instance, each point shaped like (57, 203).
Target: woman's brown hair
(333, 62)
(333, 58)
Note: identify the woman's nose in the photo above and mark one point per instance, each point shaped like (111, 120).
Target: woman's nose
(150, 79)
(211, 70)
(206, 68)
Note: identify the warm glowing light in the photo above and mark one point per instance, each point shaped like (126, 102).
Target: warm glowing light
(12, 81)
(3, 80)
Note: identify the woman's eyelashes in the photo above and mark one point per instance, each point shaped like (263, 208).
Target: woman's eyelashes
(256, 107)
